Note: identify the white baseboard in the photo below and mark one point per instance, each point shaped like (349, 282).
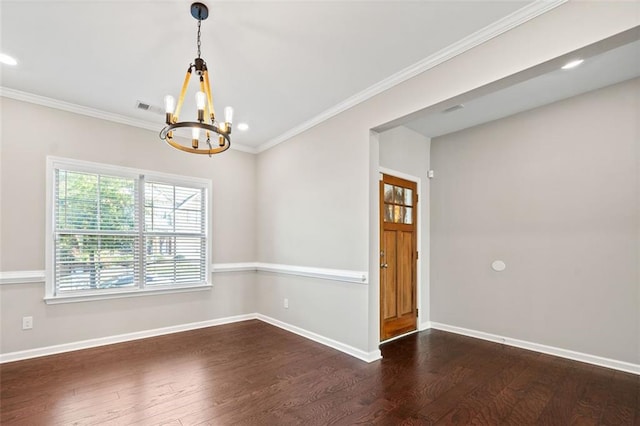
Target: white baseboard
(102, 341)
(109, 340)
(537, 347)
(349, 350)
(342, 347)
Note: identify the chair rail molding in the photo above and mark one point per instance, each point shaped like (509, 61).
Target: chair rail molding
(22, 277)
(358, 277)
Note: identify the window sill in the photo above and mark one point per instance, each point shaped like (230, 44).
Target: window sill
(54, 300)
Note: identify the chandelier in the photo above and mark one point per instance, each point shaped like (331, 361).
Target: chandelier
(206, 124)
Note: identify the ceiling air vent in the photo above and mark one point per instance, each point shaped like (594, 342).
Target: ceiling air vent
(148, 107)
(453, 108)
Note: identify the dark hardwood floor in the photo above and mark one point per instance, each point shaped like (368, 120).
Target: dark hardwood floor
(252, 373)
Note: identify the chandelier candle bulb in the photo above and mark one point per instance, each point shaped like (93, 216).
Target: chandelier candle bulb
(195, 136)
(169, 106)
(200, 100)
(228, 115)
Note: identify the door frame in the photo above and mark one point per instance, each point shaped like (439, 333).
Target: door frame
(418, 182)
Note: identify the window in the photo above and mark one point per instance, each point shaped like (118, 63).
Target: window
(121, 231)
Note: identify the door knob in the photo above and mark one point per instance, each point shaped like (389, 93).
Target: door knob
(384, 265)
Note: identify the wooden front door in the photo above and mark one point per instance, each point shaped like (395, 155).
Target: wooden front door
(398, 256)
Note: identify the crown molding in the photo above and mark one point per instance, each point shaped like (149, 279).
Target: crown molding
(19, 95)
(501, 26)
(75, 108)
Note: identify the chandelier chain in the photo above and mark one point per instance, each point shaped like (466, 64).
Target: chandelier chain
(199, 23)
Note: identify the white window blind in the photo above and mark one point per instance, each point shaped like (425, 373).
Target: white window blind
(174, 235)
(121, 230)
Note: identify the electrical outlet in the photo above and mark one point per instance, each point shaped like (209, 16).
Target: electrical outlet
(286, 303)
(27, 323)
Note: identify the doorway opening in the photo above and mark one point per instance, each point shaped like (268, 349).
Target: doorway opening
(398, 256)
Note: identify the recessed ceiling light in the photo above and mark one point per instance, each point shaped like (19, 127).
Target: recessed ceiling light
(7, 60)
(243, 127)
(572, 64)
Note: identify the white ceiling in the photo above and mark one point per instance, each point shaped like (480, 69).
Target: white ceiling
(279, 64)
(552, 84)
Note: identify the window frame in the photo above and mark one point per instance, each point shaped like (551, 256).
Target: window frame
(140, 176)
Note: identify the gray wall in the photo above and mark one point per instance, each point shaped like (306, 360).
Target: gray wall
(553, 192)
(312, 211)
(22, 227)
(317, 191)
(406, 151)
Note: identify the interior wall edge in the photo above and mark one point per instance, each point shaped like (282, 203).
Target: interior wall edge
(342, 347)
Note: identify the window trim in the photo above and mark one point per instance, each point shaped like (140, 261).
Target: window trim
(54, 163)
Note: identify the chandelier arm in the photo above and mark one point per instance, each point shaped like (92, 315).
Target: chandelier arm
(207, 86)
(185, 85)
(203, 89)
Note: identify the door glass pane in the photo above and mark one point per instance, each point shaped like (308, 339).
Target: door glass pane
(388, 213)
(408, 197)
(399, 194)
(408, 215)
(388, 193)
(398, 214)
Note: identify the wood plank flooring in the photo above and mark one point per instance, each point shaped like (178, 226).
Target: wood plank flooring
(252, 373)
